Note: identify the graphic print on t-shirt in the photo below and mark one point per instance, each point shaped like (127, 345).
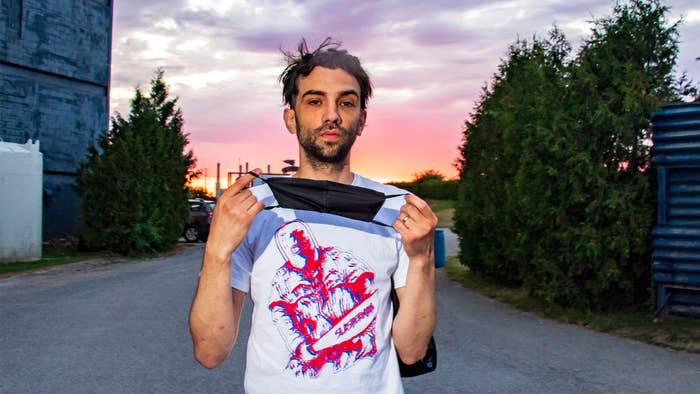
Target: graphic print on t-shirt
(322, 301)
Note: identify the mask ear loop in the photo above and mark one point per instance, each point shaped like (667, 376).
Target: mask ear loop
(389, 196)
(257, 176)
(267, 183)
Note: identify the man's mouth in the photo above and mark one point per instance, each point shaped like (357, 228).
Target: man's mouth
(331, 134)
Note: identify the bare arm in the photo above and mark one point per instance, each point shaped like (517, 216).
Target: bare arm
(414, 324)
(216, 308)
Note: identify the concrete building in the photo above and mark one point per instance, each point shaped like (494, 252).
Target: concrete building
(54, 86)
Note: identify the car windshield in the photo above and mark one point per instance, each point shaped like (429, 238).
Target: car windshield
(211, 205)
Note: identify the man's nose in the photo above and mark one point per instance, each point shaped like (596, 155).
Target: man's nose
(331, 114)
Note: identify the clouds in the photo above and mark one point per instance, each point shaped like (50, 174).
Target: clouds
(428, 62)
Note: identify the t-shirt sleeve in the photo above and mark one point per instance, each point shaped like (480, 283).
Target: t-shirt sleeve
(402, 268)
(241, 266)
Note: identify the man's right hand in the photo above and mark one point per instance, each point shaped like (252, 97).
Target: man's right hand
(233, 215)
(216, 308)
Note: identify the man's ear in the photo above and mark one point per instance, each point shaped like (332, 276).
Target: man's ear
(290, 120)
(363, 120)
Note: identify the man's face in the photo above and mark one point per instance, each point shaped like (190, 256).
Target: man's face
(327, 116)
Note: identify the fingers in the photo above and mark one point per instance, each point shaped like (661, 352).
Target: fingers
(416, 224)
(419, 204)
(237, 195)
(410, 220)
(238, 201)
(234, 213)
(242, 182)
(416, 214)
(243, 205)
(251, 203)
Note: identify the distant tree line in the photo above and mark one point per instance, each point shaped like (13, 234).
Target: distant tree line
(556, 190)
(200, 192)
(430, 184)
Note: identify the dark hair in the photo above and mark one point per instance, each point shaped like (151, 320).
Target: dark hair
(328, 55)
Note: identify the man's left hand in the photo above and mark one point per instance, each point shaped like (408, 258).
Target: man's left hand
(416, 223)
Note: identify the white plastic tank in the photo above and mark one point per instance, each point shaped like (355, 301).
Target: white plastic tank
(21, 172)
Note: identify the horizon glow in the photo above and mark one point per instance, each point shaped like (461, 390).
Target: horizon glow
(428, 64)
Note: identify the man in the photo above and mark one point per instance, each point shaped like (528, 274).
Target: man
(320, 283)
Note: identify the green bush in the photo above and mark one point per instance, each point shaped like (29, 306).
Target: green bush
(556, 191)
(431, 184)
(132, 186)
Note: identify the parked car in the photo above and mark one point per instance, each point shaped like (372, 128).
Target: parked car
(197, 226)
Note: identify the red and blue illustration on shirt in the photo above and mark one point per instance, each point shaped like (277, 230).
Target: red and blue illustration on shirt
(323, 303)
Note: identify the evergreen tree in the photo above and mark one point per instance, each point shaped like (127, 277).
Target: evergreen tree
(556, 187)
(133, 188)
(510, 158)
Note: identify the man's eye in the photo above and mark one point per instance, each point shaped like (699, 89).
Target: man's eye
(314, 102)
(348, 104)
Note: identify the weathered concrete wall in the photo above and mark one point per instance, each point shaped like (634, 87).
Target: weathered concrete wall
(54, 87)
(65, 116)
(71, 38)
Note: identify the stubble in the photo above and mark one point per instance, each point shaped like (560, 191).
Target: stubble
(322, 155)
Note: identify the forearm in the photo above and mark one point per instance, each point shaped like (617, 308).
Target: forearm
(213, 324)
(414, 324)
(216, 308)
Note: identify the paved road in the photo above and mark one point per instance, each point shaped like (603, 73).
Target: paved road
(115, 328)
(121, 328)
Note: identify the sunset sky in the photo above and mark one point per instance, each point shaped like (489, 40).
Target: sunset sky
(428, 61)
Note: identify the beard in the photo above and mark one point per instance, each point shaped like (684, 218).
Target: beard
(327, 154)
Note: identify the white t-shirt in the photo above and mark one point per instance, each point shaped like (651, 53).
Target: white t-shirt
(320, 287)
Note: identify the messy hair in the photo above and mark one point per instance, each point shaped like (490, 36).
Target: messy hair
(328, 55)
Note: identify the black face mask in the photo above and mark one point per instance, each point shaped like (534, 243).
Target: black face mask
(349, 201)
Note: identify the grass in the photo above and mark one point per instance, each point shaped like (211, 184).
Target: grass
(444, 210)
(66, 252)
(52, 254)
(674, 332)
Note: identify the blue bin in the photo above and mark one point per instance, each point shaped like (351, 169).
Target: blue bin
(439, 248)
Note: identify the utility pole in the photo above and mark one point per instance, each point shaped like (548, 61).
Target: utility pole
(218, 184)
(205, 181)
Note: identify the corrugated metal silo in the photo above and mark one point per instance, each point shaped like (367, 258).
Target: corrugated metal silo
(676, 236)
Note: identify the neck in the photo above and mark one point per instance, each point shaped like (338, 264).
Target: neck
(335, 172)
